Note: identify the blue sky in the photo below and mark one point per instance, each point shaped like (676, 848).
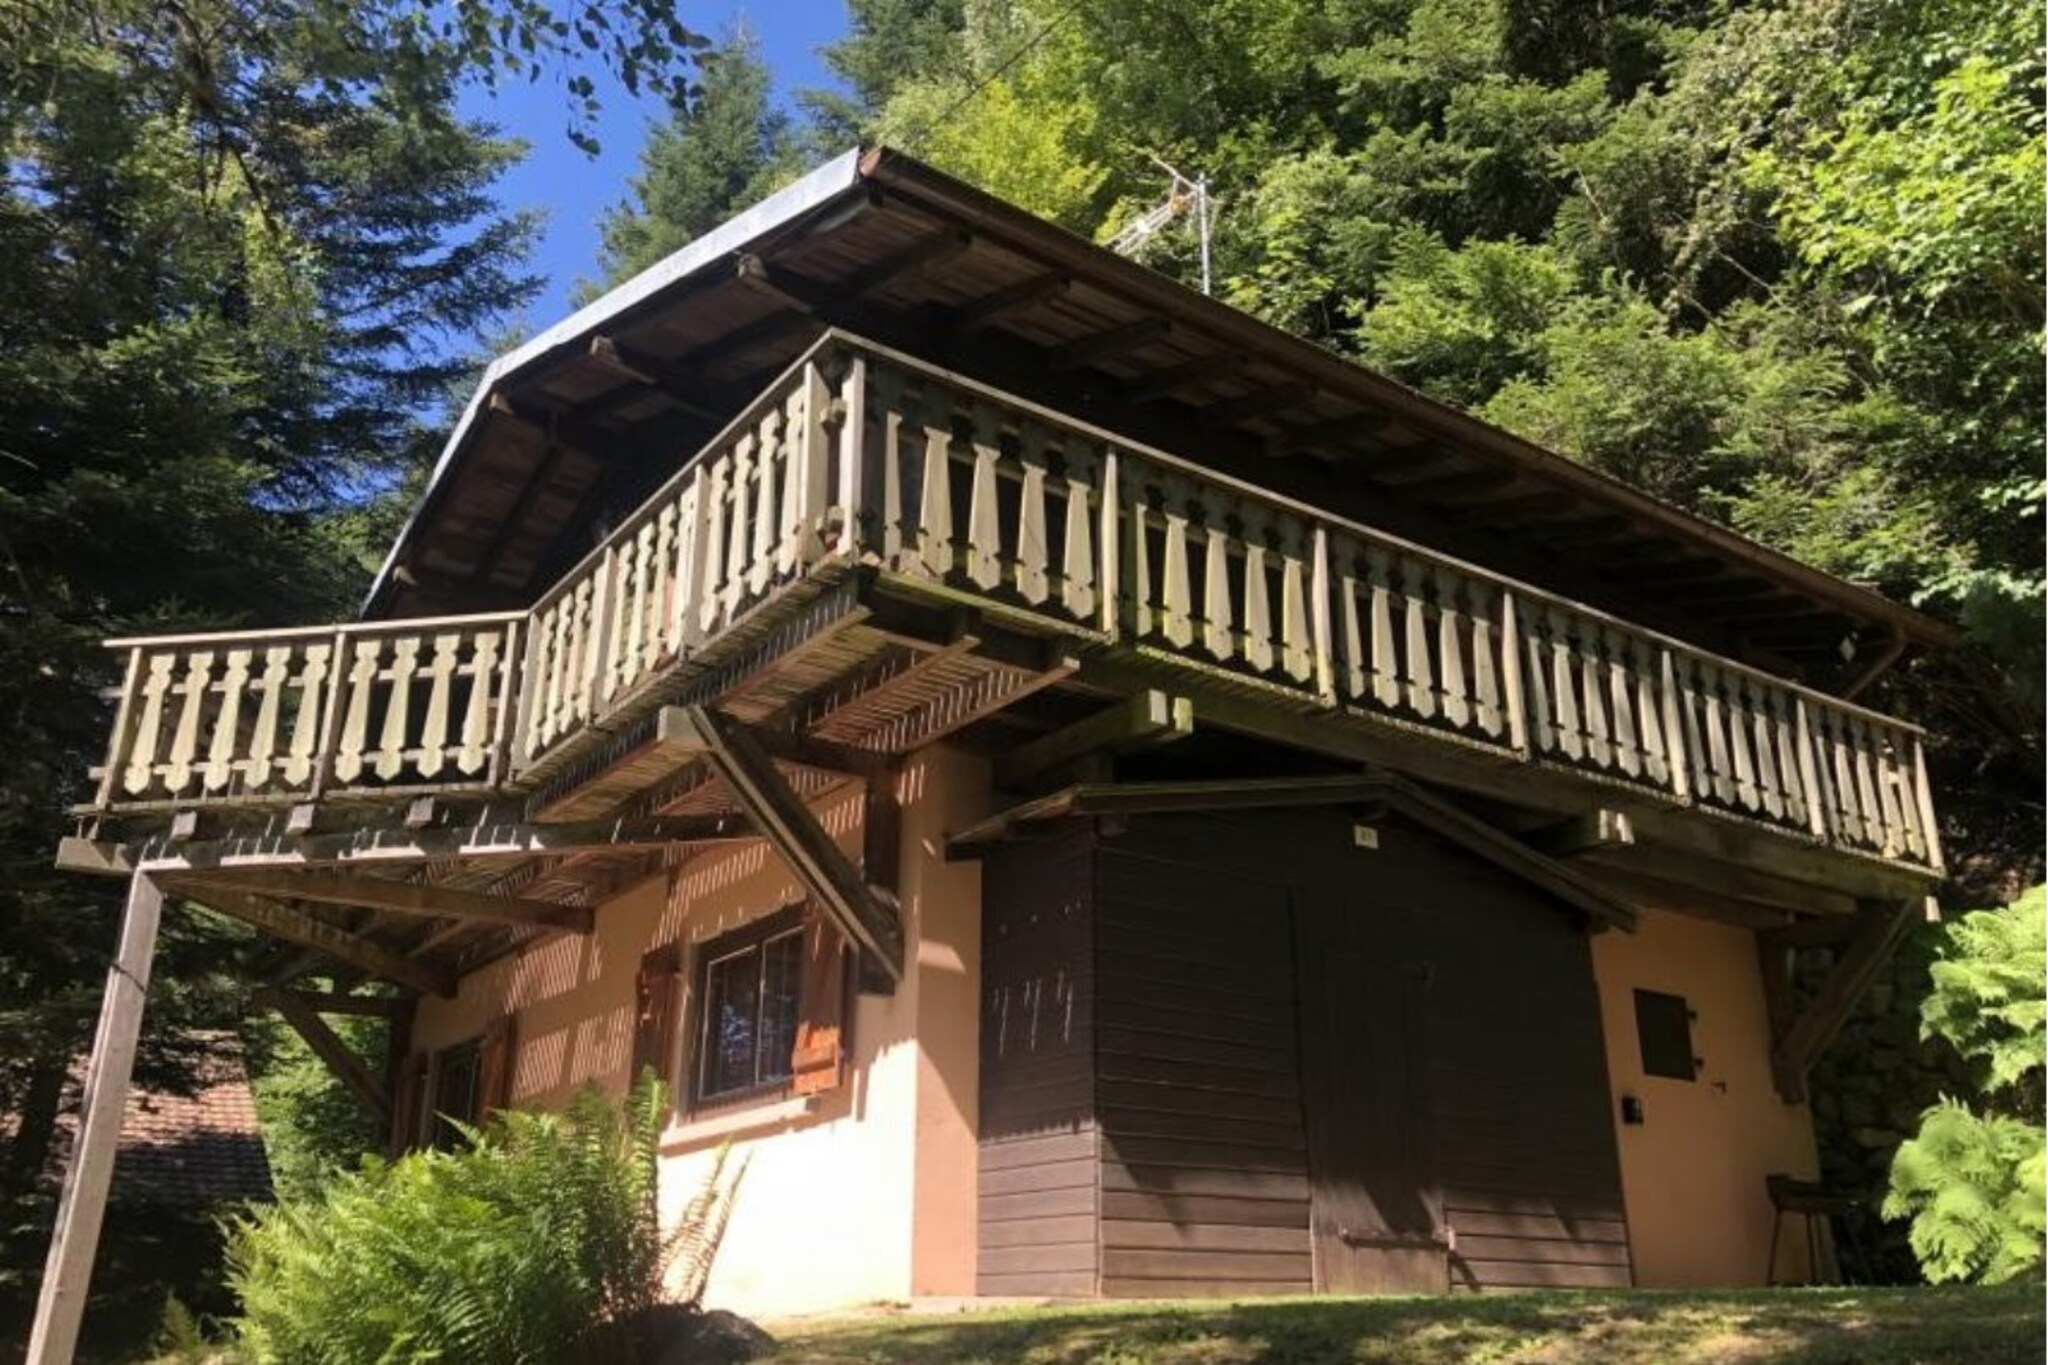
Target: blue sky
(572, 189)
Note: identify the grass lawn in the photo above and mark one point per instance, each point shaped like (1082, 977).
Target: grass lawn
(1810, 1326)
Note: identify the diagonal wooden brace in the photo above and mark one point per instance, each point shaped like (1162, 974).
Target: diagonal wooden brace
(867, 914)
(1797, 1039)
(299, 1011)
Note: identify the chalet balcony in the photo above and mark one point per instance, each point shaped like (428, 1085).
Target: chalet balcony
(876, 553)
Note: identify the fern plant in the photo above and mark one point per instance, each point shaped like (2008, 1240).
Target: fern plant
(539, 1241)
(1975, 1183)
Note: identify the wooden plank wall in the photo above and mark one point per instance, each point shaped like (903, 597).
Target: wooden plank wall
(1040, 1160)
(1204, 1174)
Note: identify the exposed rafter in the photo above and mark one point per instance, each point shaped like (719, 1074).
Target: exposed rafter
(297, 926)
(409, 898)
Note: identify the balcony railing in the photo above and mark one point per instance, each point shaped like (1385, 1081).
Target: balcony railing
(860, 455)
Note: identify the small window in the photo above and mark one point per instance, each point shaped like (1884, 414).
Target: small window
(1664, 1031)
(752, 989)
(457, 1073)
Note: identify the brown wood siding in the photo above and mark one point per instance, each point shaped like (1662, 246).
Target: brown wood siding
(1040, 1161)
(1204, 1173)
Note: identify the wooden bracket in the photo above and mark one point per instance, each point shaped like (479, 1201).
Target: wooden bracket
(297, 926)
(865, 913)
(1600, 829)
(299, 1011)
(1799, 1038)
(1148, 717)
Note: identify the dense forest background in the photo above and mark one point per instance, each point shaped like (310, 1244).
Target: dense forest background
(1781, 264)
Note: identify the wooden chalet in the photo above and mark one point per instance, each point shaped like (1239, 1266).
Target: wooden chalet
(1098, 796)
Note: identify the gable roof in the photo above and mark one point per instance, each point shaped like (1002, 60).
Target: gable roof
(577, 424)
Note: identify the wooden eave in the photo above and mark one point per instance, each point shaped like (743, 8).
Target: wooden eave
(579, 424)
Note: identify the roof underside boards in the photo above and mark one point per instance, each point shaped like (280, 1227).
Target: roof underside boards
(579, 425)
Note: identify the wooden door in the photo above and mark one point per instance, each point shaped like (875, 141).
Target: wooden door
(1375, 1216)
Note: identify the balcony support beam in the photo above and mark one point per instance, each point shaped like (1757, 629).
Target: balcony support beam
(339, 1058)
(867, 914)
(1147, 718)
(297, 926)
(407, 898)
(1805, 1035)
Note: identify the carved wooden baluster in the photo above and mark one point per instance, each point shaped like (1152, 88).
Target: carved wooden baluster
(797, 510)
(891, 415)
(1863, 761)
(1418, 670)
(935, 498)
(984, 510)
(193, 689)
(1740, 761)
(1386, 658)
(227, 723)
(1649, 711)
(475, 750)
(1592, 692)
(688, 583)
(1450, 646)
(739, 530)
(141, 770)
(1714, 722)
(1571, 729)
(397, 707)
(270, 690)
(1897, 837)
(772, 454)
(1176, 601)
(1784, 743)
(1538, 712)
(661, 593)
(1138, 511)
(1621, 705)
(1029, 573)
(355, 724)
(1486, 660)
(1769, 786)
(1297, 634)
(635, 649)
(1258, 591)
(1079, 582)
(1851, 824)
(584, 638)
(440, 692)
(1901, 773)
(1348, 587)
(1219, 637)
(1691, 708)
(711, 580)
(560, 668)
(315, 676)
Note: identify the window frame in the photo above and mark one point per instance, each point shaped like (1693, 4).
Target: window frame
(437, 1132)
(1668, 1009)
(752, 937)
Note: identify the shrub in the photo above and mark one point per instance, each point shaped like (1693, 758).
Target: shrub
(1974, 1181)
(539, 1241)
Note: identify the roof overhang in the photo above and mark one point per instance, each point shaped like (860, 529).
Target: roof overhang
(571, 428)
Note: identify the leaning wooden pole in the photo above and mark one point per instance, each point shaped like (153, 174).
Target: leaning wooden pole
(67, 1274)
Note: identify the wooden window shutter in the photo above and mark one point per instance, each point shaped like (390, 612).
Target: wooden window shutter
(654, 1018)
(405, 1102)
(818, 1061)
(494, 1072)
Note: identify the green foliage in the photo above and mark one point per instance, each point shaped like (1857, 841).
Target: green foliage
(540, 1241)
(1974, 1183)
(314, 1127)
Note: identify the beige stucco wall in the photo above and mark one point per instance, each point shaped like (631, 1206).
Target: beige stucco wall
(870, 1194)
(1693, 1171)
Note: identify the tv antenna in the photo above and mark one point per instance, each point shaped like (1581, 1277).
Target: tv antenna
(1183, 195)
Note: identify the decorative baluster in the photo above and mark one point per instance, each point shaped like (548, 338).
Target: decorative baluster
(314, 684)
(1923, 801)
(1297, 642)
(1079, 585)
(1355, 661)
(198, 681)
(1176, 604)
(1109, 545)
(688, 584)
(1791, 774)
(1258, 592)
(585, 636)
(1571, 730)
(227, 723)
(1769, 788)
(984, 512)
(1218, 637)
(355, 725)
(772, 454)
(1029, 574)
(397, 708)
(560, 669)
(1812, 772)
(1450, 647)
(270, 690)
(1862, 759)
(1649, 712)
(1850, 825)
(1693, 759)
(440, 687)
(935, 499)
(1738, 741)
(635, 648)
(1386, 676)
(476, 717)
(1418, 673)
(1486, 697)
(1535, 666)
(890, 417)
(1144, 611)
(1714, 717)
(1897, 837)
(1512, 701)
(661, 594)
(797, 505)
(739, 531)
(1628, 748)
(141, 770)
(1592, 687)
(1898, 771)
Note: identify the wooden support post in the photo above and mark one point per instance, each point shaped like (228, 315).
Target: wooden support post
(866, 914)
(67, 1274)
(881, 860)
(338, 1056)
(1596, 830)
